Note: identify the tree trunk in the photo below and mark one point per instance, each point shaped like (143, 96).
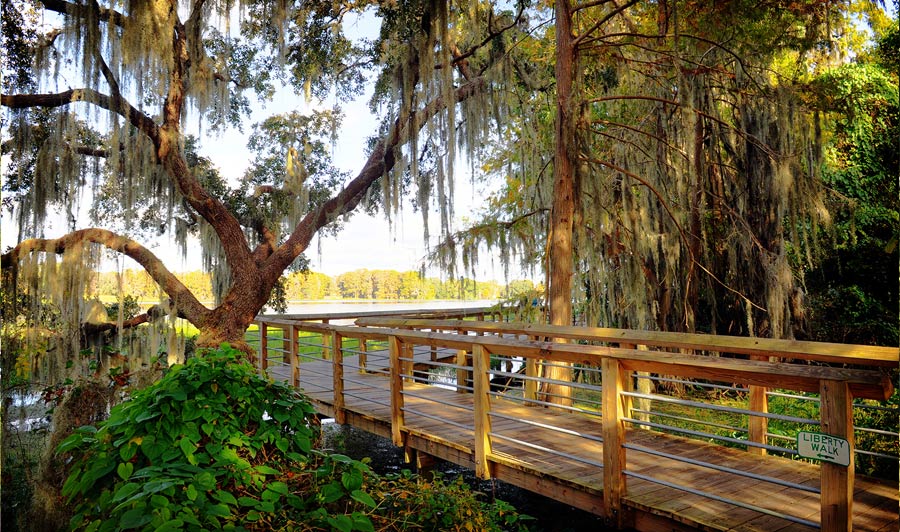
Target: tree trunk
(561, 260)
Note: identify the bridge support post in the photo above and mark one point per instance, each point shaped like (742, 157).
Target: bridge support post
(758, 426)
(615, 380)
(295, 357)
(397, 421)
(337, 361)
(837, 480)
(363, 354)
(462, 374)
(263, 346)
(481, 361)
(531, 374)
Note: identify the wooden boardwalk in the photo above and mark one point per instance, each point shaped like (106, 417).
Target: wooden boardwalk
(560, 455)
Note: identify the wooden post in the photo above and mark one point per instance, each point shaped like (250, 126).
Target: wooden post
(337, 362)
(363, 349)
(396, 392)
(758, 426)
(837, 480)
(408, 365)
(295, 357)
(531, 373)
(461, 374)
(434, 348)
(615, 380)
(629, 386)
(326, 350)
(263, 346)
(481, 381)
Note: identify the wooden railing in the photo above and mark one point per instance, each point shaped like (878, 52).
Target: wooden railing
(764, 349)
(635, 352)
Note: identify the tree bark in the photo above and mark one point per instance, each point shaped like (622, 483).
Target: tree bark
(561, 260)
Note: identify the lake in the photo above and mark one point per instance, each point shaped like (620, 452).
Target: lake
(326, 307)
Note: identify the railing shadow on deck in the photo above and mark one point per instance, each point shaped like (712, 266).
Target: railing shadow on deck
(610, 429)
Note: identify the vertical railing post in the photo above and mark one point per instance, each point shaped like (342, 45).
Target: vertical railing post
(836, 409)
(326, 349)
(408, 364)
(462, 375)
(434, 347)
(642, 386)
(363, 350)
(263, 346)
(758, 426)
(397, 421)
(615, 380)
(337, 361)
(531, 374)
(482, 384)
(295, 356)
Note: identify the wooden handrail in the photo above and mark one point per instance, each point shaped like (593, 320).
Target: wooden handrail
(866, 355)
(867, 384)
(837, 386)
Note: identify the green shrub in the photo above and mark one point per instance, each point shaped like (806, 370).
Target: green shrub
(212, 445)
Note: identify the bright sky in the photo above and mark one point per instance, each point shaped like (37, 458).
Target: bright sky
(366, 241)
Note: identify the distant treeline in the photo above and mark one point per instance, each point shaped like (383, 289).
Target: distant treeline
(359, 284)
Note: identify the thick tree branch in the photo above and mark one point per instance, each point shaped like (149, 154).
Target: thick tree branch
(185, 302)
(602, 21)
(134, 116)
(70, 8)
(380, 161)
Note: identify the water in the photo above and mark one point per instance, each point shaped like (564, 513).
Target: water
(327, 307)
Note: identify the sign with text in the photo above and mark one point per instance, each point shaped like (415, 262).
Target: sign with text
(824, 447)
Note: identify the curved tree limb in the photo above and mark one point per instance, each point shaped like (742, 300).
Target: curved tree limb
(134, 116)
(380, 161)
(185, 301)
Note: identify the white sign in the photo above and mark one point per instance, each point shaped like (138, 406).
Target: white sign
(824, 447)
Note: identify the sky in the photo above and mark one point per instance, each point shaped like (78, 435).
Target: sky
(365, 242)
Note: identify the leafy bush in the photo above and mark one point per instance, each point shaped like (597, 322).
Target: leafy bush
(213, 445)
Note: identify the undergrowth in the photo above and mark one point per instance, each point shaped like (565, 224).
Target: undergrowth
(212, 445)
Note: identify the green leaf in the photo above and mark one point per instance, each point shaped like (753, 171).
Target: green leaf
(127, 452)
(362, 523)
(156, 486)
(126, 490)
(225, 497)
(205, 481)
(266, 470)
(282, 444)
(364, 498)
(247, 501)
(191, 492)
(187, 447)
(278, 487)
(125, 470)
(331, 492)
(158, 501)
(135, 518)
(218, 510)
(173, 524)
(341, 522)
